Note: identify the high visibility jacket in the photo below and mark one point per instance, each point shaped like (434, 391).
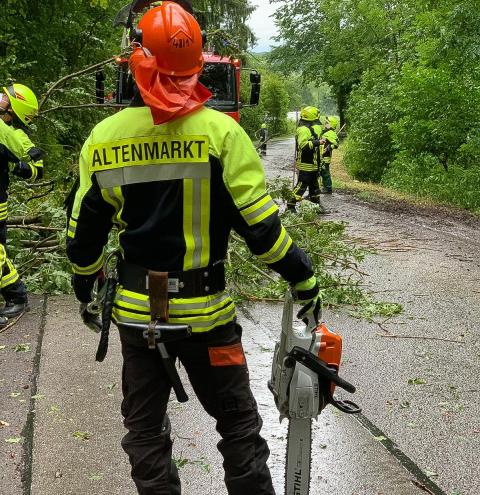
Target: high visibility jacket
(332, 141)
(15, 146)
(307, 155)
(175, 191)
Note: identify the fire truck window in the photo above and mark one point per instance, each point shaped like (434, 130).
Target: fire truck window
(220, 80)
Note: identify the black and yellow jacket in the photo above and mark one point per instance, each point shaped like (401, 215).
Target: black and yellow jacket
(332, 143)
(175, 191)
(307, 156)
(18, 155)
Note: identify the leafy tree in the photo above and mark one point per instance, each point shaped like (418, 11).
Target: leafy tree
(229, 17)
(406, 74)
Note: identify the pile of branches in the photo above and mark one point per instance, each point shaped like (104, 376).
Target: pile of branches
(336, 261)
(36, 237)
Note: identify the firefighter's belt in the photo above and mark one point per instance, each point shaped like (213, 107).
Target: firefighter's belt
(136, 334)
(192, 283)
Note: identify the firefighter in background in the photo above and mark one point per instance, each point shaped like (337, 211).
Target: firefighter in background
(308, 159)
(19, 156)
(329, 142)
(262, 134)
(176, 177)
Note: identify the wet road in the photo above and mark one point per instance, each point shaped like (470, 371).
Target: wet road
(418, 389)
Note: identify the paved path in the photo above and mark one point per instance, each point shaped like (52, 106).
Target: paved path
(76, 441)
(71, 430)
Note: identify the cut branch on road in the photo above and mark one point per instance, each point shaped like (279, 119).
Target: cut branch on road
(421, 337)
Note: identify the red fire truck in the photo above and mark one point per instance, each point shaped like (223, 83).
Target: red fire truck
(221, 75)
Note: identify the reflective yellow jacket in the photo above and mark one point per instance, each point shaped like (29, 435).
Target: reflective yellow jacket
(307, 156)
(15, 147)
(175, 191)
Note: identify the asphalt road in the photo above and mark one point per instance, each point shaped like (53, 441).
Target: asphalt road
(416, 378)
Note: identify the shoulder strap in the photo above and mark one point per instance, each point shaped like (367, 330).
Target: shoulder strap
(312, 130)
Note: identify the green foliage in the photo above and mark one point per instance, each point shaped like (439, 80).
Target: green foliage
(227, 18)
(369, 147)
(275, 102)
(39, 254)
(423, 175)
(276, 98)
(336, 262)
(407, 76)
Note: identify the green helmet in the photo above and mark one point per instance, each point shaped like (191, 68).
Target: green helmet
(23, 101)
(333, 121)
(309, 113)
(264, 126)
(322, 119)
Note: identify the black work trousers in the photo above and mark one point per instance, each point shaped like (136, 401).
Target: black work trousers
(306, 180)
(217, 370)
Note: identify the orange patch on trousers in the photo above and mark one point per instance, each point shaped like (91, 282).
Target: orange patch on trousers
(230, 355)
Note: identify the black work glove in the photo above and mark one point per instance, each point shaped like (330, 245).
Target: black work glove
(35, 154)
(307, 294)
(83, 285)
(313, 309)
(92, 321)
(22, 170)
(316, 143)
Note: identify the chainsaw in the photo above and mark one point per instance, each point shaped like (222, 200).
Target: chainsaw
(304, 376)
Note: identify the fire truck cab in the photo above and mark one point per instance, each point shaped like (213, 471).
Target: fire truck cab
(221, 75)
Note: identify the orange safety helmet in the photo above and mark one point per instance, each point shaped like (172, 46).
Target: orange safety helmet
(173, 37)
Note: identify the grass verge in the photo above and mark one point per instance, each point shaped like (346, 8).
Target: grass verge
(376, 193)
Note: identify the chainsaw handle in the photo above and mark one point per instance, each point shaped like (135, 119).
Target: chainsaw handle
(346, 406)
(318, 366)
(343, 383)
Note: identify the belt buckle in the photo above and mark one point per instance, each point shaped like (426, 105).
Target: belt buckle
(151, 335)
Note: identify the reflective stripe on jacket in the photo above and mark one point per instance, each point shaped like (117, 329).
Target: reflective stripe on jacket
(174, 192)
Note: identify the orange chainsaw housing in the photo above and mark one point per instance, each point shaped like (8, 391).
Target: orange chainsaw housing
(330, 348)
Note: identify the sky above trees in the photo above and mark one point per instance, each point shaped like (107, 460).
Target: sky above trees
(262, 25)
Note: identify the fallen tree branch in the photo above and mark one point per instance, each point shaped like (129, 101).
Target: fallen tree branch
(39, 184)
(84, 105)
(24, 220)
(37, 227)
(420, 337)
(42, 243)
(292, 225)
(50, 249)
(263, 273)
(251, 297)
(9, 325)
(64, 79)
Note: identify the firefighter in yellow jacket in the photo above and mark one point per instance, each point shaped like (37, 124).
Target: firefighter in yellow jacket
(18, 156)
(328, 143)
(308, 160)
(175, 178)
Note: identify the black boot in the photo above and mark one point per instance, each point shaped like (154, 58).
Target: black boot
(13, 309)
(325, 190)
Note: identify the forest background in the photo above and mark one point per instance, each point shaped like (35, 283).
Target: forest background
(404, 77)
